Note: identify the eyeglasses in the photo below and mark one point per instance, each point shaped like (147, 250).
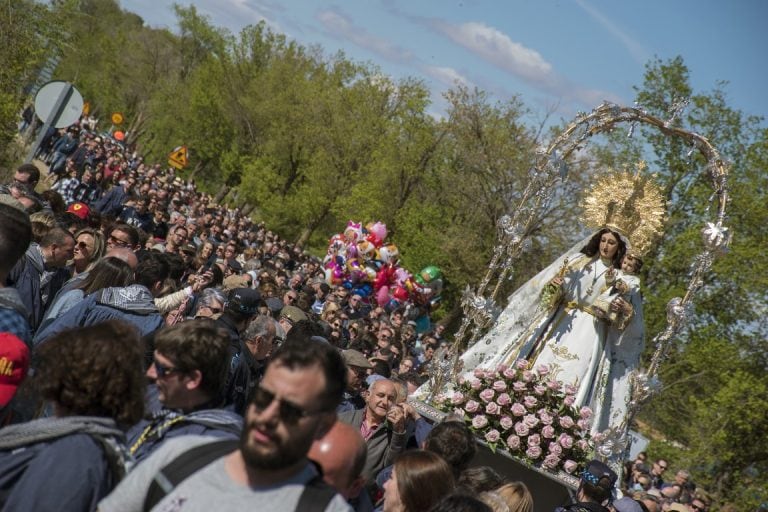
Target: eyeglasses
(117, 242)
(162, 370)
(290, 413)
(662, 467)
(82, 245)
(696, 507)
(291, 297)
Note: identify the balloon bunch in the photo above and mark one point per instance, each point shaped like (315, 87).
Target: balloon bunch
(361, 260)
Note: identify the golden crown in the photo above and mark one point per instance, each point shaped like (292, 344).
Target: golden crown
(630, 203)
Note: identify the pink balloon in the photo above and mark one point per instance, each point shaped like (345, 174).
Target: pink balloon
(382, 296)
(380, 230)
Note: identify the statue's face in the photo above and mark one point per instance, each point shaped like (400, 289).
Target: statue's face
(608, 246)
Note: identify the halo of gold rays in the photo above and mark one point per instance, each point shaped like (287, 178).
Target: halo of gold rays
(631, 203)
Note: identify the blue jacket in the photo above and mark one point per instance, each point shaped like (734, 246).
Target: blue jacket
(149, 434)
(112, 202)
(26, 276)
(133, 304)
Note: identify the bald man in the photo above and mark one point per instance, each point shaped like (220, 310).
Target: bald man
(341, 454)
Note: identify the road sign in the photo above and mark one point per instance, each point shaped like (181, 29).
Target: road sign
(62, 95)
(86, 108)
(117, 118)
(57, 104)
(179, 157)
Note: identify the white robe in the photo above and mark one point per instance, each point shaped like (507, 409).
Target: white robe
(583, 350)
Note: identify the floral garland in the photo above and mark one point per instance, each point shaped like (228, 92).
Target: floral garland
(526, 412)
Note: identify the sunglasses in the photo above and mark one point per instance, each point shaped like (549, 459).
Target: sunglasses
(162, 370)
(696, 507)
(290, 413)
(117, 242)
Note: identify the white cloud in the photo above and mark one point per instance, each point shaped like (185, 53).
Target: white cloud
(341, 27)
(497, 48)
(447, 76)
(635, 49)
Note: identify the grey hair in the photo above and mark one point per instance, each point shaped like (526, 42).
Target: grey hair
(262, 325)
(208, 296)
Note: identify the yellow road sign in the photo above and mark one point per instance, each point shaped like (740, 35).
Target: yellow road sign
(179, 157)
(86, 108)
(117, 118)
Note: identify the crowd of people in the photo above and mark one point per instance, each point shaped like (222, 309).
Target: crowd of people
(163, 352)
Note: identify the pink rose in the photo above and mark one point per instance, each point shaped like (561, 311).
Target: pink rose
(518, 386)
(501, 368)
(551, 461)
(554, 385)
(569, 400)
(534, 440)
(548, 432)
(598, 437)
(509, 373)
(479, 373)
(566, 421)
(471, 406)
(530, 420)
(517, 409)
(487, 395)
(570, 389)
(475, 384)
(506, 423)
(555, 449)
(565, 441)
(479, 421)
(584, 424)
(570, 466)
(499, 386)
(521, 429)
(530, 401)
(583, 445)
(533, 452)
(462, 380)
(542, 369)
(503, 399)
(528, 376)
(513, 442)
(521, 364)
(539, 389)
(493, 409)
(492, 436)
(457, 398)
(585, 412)
(545, 417)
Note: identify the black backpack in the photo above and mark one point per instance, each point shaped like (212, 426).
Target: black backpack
(315, 497)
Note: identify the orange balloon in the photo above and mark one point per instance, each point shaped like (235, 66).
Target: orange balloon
(118, 135)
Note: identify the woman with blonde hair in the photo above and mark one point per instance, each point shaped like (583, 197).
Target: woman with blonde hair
(511, 497)
(90, 246)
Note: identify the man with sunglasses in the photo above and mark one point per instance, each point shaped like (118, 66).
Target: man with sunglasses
(268, 469)
(189, 370)
(657, 473)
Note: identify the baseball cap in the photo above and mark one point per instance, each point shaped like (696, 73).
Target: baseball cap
(293, 314)
(79, 209)
(244, 301)
(14, 362)
(600, 475)
(274, 304)
(678, 507)
(354, 358)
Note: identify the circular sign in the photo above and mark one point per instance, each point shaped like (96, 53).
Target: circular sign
(47, 98)
(117, 118)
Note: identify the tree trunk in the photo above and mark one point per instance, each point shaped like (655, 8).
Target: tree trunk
(307, 231)
(221, 194)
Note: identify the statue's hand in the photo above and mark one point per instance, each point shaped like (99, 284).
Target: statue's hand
(557, 281)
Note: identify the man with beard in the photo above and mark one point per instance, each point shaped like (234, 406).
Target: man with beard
(269, 470)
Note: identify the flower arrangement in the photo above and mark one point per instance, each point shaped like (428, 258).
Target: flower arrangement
(526, 412)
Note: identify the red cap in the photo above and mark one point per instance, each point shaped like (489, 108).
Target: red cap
(14, 361)
(79, 209)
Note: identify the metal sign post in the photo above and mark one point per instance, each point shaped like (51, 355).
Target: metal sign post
(67, 105)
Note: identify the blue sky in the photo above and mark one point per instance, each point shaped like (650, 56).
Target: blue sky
(558, 55)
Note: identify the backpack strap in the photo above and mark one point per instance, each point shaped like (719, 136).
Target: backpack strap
(183, 466)
(316, 496)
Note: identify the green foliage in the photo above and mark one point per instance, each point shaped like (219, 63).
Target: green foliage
(29, 36)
